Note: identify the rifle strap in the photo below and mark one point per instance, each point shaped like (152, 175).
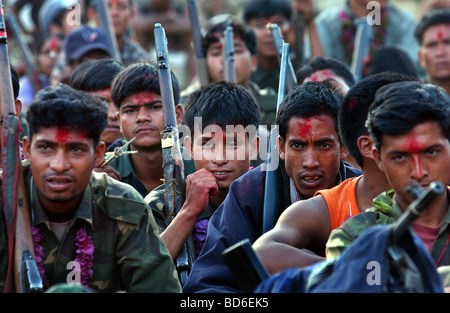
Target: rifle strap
(11, 162)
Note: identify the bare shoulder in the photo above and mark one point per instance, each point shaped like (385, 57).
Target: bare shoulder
(315, 207)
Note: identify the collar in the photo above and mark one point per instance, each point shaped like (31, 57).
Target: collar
(83, 212)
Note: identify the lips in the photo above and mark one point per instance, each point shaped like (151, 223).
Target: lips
(311, 180)
(221, 174)
(59, 183)
(145, 129)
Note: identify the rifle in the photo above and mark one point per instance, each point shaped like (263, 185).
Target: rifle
(229, 68)
(200, 57)
(174, 182)
(361, 50)
(105, 23)
(28, 56)
(15, 204)
(245, 265)
(271, 190)
(279, 41)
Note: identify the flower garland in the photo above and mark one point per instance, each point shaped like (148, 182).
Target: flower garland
(349, 31)
(84, 251)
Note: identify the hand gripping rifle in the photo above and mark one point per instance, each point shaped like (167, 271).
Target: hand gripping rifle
(291, 79)
(200, 57)
(271, 190)
(15, 206)
(105, 23)
(174, 182)
(229, 69)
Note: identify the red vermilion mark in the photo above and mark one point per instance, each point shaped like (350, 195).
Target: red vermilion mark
(413, 147)
(62, 134)
(440, 34)
(304, 128)
(143, 98)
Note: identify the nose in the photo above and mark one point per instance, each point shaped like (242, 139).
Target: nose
(310, 158)
(143, 114)
(59, 163)
(418, 170)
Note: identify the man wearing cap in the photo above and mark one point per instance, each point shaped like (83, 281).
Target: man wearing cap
(83, 43)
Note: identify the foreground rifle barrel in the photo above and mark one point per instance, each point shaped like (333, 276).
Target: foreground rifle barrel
(271, 190)
(15, 205)
(200, 57)
(105, 22)
(291, 79)
(174, 182)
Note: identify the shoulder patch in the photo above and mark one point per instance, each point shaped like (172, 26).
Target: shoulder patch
(117, 200)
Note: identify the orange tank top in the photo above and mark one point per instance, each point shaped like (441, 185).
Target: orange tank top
(341, 201)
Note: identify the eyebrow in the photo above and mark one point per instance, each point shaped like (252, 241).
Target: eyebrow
(435, 146)
(53, 143)
(133, 105)
(322, 140)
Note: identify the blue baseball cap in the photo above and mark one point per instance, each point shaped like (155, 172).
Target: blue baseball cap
(84, 39)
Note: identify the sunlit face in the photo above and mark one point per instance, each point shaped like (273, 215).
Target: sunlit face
(62, 161)
(48, 54)
(141, 115)
(422, 155)
(120, 12)
(329, 76)
(266, 46)
(245, 63)
(434, 52)
(226, 154)
(112, 130)
(312, 153)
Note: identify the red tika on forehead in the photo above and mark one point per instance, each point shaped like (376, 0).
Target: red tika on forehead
(62, 134)
(440, 34)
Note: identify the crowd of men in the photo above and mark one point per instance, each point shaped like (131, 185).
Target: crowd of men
(345, 150)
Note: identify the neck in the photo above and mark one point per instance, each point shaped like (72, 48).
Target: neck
(372, 183)
(120, 40)
(443, 83)
(268, 63)
(148, 166)
(218, 198)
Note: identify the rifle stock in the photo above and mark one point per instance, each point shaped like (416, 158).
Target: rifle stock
(200, 57)
(105, 23)
(15, 205)
(271, 190)
(291, 79)
(174, 181)
(229, 67)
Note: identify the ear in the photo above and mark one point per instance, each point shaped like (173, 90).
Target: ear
(343, 152)
(18, 106)
(188, 146)
(365, 146)
(179, 112)
(254, 61)
(99, 154)
(26, 147)
(420, 55)
(377, 159)
(280, 146)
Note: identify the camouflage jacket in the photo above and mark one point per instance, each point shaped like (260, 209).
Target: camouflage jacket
(128, 254)
(384, 211)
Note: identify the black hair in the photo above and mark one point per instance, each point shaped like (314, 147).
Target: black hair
(432, 18)
(15, 82)
(139, 77)
(63, 106)
(399, 107)
(320, 63)
(355, 107)
(266, 8)
(246, 33)
(307, 100)
(223, 103)
(391, 59)
(94, 75)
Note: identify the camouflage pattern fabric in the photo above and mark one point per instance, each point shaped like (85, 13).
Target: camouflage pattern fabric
(384, 211)
(129, 255)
